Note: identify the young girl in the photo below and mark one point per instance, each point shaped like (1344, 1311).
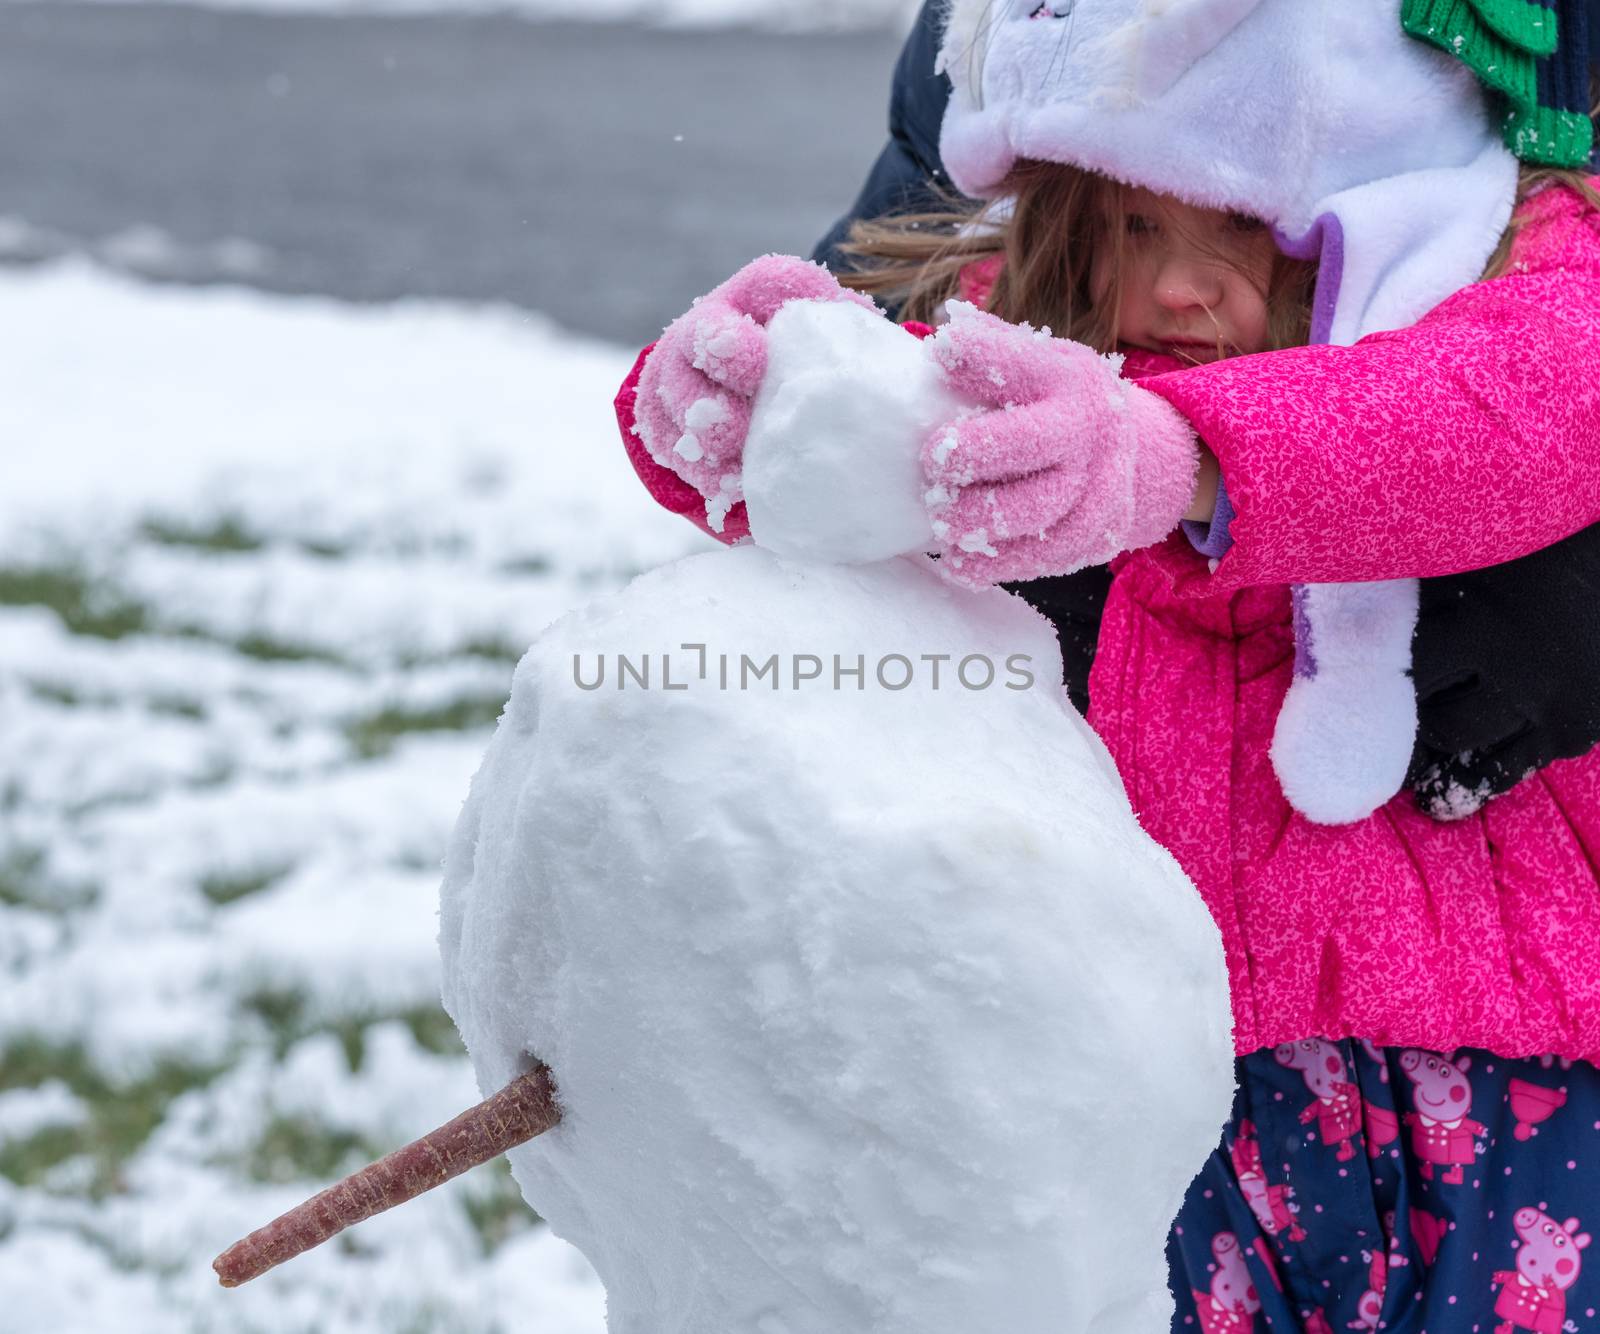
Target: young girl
(1416, 1138)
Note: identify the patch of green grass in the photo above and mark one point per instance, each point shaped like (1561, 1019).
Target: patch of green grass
(528, 565)
(176, 706)
(53, 692)
(375, 734)
(28, 1160)
(227, 534)
(325, 550)
(495, 1206)
(299, 1147)
(26, 883)
(91, 607)
(282, 1012)
(121, 1114)
(264, 648)
(19, 877)
(233, 535)
(494, 650)
(501, 651)
(433, 1030)
(218, 771)
(223, 887)
(85, 606)
(164, 706)
(286, 1014)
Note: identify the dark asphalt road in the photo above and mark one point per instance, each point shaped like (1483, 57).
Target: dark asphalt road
(604, 175)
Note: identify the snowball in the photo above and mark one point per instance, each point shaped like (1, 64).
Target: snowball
(832, 462)
(871, 1006)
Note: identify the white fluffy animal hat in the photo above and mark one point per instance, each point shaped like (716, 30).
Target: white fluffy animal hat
(1320, 116)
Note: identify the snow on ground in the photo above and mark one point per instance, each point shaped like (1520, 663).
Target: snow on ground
(769, 15)
(265, 567)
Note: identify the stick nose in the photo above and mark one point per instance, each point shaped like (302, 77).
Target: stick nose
(524, 1108)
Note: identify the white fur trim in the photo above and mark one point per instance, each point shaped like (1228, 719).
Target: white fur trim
(1344, 736)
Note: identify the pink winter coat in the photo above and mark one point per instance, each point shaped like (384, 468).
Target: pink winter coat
(1466, 440)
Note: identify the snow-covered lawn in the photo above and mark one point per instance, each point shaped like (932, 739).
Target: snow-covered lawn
(265, 567)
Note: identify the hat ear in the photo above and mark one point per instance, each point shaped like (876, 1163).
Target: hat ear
(967, 24)
(1176, 33)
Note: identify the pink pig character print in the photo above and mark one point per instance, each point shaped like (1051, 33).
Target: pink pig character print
(1337, 1109)
(1370, 1308)
(1270, 1204)
(1442, 1134)
(1231, 1305)
(1534, 1295)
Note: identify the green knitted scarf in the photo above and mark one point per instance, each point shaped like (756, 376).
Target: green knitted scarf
(1519, 52)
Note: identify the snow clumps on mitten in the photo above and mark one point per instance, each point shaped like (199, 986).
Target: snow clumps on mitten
(1055, 463)
(697, 387)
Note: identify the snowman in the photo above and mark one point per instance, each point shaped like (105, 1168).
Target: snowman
(802, 936)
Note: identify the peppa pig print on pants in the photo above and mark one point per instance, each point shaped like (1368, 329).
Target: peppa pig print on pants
(1365, 1188)
(1442, 1134)
(1229, 1306)
(1337, 1109)
(1270, 1204)
(1549, 1261)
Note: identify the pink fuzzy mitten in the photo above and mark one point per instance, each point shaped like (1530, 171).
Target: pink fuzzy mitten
(1060, 463)
(697, 387)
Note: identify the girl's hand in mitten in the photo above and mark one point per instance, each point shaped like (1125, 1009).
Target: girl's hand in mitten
(1059, 464)
(698, 386)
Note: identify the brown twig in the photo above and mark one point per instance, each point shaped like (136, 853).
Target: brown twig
(522, 1109)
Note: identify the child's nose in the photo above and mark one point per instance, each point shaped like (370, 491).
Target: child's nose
(1185, 281)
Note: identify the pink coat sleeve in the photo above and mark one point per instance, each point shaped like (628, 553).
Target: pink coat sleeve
(1466, 440)
(666, 488)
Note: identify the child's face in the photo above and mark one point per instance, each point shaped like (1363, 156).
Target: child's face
(1193, 281)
